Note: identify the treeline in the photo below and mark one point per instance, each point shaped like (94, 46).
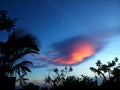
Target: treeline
(109, 74)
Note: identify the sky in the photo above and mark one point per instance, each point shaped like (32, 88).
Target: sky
(73, 33)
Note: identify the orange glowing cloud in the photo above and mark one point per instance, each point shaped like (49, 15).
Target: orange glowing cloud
(80, 51)
(75, 50)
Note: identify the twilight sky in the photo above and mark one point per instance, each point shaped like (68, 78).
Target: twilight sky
(73, 33)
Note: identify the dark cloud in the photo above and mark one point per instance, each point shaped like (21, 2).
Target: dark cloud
(76, 49)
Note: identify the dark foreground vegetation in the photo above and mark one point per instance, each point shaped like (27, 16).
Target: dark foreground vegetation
(13, 69)
(109, 74)
(17, 45)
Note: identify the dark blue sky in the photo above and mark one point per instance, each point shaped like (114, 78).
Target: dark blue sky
(68, 30)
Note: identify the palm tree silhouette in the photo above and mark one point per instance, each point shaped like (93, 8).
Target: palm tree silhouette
(12, 50)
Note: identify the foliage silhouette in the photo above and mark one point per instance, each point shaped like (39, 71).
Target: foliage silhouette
(6, 23)
(110, 73)
(62, 81)
(16, 46)
(59, 78)
(112, 79)
(11, 52)
(102, 69)
(22, 80)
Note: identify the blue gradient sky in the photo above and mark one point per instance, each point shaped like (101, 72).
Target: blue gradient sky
(60, 25)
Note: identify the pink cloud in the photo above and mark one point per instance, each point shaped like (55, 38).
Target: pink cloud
(76, 50)
(80, 51)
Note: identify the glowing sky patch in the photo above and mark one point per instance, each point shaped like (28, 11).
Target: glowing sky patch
(82, 51)
(76, 50)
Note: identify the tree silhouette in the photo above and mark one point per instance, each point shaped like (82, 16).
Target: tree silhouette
(61, 81)
(102, 69)
(6, 23)
(112, 79)
(110, 72)
(59, 77)
(16, 46)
